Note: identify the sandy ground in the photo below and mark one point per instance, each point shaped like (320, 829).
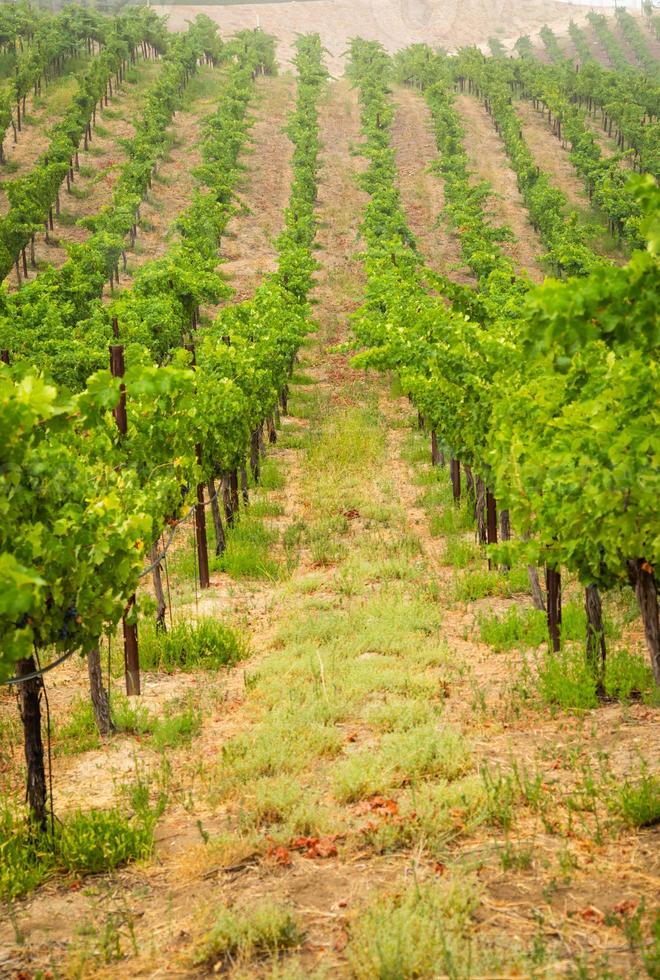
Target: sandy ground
(395, 23)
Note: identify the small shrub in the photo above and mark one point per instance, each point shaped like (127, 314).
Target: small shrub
(419, 932)
(638, 802)
(459, 553)
(101, 840)
(566, 680)
(240, 935)
(205, 645)
(402, 758)
(526, 627)
(627, 674)
(176, 729)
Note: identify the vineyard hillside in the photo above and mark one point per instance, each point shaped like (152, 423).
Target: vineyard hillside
(329, 483)
(395, 23)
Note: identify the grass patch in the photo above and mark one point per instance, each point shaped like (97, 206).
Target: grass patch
(459, 552)
(276, 804)
(420, 931)
(638, 802)
(565, 680)
(480, 583)
(300, 378)
(291, 739)
(80, 193)
(266, 508)
(84, 843)
(248, 554)
(399, 714)
(239, 936)
(429, 815)
(67, 219)
(205, 645)
(175, 730)
(271, 477)
(400, 759)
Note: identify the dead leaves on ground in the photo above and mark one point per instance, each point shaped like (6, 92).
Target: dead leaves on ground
(308, 847)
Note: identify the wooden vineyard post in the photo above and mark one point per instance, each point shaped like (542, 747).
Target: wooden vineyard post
(642, 578)
(200, 514)
(233, 490)
(491, 521)
(131, 652)
(455, 473)
(30, 707)
(480, 510)
(200, 531)
(553, 599)
(255, 455)
(596, 649)
(437, 458)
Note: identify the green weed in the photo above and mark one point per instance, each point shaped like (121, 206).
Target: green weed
(516, 628)
(420, 931)
(266, 508)
(566, 680)
(478, 584)
(638, 802)
(271, 477)
(79, 732)
(207, 644)
(66, 219)
(628, 674)
(83, 843)
(460, 553)
(241, 935)
(430, 815)
(249, 551)
(516, 858)
(402, 758)
(176, 729)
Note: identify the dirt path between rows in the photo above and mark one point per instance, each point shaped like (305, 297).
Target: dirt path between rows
(550, 155)
(421, 191)
(248, 246)
(489, 161)
(33, 137)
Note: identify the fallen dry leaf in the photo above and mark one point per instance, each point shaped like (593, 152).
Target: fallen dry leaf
(380, 805)
(626, 907)
(315, 847)
(592, 914)
(279, 855)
